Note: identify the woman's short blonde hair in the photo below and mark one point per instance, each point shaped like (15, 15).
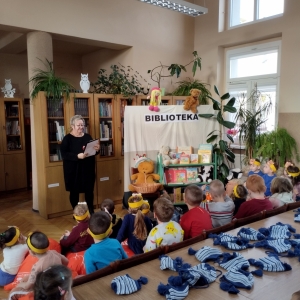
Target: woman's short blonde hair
(75, 118)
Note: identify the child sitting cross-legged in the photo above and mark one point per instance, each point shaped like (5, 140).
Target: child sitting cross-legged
(167, 232)
(257, 201)
(78, 239)
(282, 192)
(196, 219)
(221, 207)
(105, 250)
(136, 226)
(38, 244)
(108, 206)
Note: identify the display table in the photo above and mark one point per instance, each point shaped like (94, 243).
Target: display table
(272, 285)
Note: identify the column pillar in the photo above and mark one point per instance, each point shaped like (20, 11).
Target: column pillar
(39, 48)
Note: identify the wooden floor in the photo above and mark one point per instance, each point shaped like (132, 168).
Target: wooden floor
(16, 210)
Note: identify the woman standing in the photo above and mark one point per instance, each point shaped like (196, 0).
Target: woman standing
(79, 168)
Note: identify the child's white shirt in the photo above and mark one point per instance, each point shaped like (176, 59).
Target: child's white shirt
(13, 258)
(166, 233)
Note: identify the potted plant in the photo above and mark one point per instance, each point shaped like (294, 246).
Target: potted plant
(47, 81)
(122, 80)
(156, 73)
(185, 86)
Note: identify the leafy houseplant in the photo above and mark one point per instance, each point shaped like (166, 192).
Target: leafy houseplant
(185, 86)
(221, 147)
(156, 73)
(47, 81)
(278, 145)
(122, 80)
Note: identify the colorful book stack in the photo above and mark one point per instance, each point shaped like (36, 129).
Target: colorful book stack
(176, 175)
(205, 153)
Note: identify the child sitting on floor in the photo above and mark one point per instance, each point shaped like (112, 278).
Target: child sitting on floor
(239, 196)
(105, 250)
(54, 283)
(14, 252)
(167, 232)
(109, 206)
(294, 173)
(136, 226)
(282, 192)
(257, 201)
(38, 244)
(196, 219)
(78, 239)
(221, 207)
(255, 167)
(270, 169)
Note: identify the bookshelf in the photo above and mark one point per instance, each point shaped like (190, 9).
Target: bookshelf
(12, 148)
(178, 100)
(142, 100)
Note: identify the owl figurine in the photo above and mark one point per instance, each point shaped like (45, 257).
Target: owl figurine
(85, 83)
(7, 89)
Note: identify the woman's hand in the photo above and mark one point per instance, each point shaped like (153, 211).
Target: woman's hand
(82, 155)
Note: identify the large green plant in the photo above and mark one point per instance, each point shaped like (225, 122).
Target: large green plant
(47, 81)
(278, 145)
(185, 86)
(221, 146)
(157, 73)
(122, 80)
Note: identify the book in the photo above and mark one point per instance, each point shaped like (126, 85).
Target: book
(191, 174)
(177, 195)
(205, 153)
(184, 159)
(184, 149)
(194, 158)
(174, 175)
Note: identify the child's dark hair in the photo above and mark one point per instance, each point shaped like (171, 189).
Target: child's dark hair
(7, 236)
(38, 240)
(293, 170)
(239, 192)
(281, 185)
(99, 222)
(109, 205)
(53, 283)
(193, 195)
(163, 209)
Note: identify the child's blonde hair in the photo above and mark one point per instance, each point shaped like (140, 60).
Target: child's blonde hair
(136, 204)
(216, 188)
(81, 211)
(193, 195)
(281, 185)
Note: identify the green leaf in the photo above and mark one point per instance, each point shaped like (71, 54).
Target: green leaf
(229, 108)
(195, 53)
(211, 133)
(149, 71)
(231, 102)
(230, 153)
(230, 158)
(220, 118)
(223, 145)
(216, 90)
(199, 62)
(194, 68)
(207, 116)
(220, 159)
(224, 170)
(228, 124)
(212, 138)
(230, 138)
(216, 106)
(225, 96)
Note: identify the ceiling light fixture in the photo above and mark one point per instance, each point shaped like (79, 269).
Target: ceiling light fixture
(184, 7)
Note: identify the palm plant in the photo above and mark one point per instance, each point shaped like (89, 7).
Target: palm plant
(47, 81)
(185, 86)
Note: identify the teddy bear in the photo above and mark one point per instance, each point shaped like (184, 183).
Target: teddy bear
(145, 174)
(191, 102)
(167, 156)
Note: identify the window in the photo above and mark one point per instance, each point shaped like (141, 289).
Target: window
(246, 11)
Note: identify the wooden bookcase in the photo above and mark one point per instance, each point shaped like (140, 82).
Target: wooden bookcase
(178, 100)
(12, 145)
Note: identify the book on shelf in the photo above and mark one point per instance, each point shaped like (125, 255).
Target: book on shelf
(106, 130)
(174, 175)
(194, 158)
(184, 159)
(205, 153)
(191, 174)
(105, 109)
(60, 131)
(177, 195)
(184, 149)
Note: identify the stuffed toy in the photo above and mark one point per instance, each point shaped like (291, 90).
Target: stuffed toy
(191, 102)
(205, 174)
(167, 156)
(145, 174)
(155, 99)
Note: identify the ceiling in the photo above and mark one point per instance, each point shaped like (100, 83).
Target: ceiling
(14, 41)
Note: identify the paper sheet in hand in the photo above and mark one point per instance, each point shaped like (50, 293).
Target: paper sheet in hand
(89, 148)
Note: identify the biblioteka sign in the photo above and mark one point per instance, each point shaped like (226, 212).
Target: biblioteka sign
(178, 117)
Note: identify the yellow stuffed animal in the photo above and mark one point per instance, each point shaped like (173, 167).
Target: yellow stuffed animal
(145, 174)
(191, 102)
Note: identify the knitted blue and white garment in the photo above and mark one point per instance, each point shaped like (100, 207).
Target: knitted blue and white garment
(278, 231)
(270, 263)
(125, 285)
(297, 217)
(199, 275)
(167, 262)
(175, 289)
(238, 245)
(251, 234)
(279, 246)
(234, 261)
(222, 237)
(206, 253)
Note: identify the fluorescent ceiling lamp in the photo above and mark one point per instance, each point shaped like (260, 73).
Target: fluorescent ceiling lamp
(184, 7)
